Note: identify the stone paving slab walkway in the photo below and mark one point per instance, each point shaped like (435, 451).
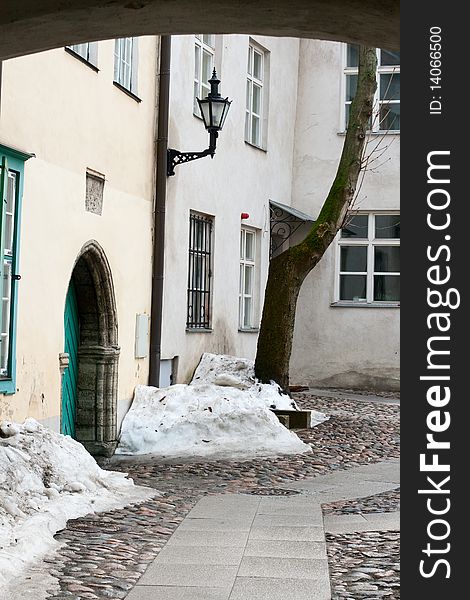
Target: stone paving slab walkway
(389, 521)
(242, 547)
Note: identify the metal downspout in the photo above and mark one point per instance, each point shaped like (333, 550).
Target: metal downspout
(156, 311)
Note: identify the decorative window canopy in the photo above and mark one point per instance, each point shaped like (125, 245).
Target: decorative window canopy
(285, 222)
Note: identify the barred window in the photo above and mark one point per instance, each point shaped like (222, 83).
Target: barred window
(199, 271)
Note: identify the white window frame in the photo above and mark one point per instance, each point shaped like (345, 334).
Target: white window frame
(370, 243)
(203, 44)
(262, 84)
(250, 263)
(88, 51)
(126, 52)
(7, 258)
(378, 103)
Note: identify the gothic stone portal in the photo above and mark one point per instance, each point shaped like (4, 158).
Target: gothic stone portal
(98, 352)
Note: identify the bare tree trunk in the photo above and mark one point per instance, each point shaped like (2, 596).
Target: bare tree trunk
(288, 270)
(277, 324)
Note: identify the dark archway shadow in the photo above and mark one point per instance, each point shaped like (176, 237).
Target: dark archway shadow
(32, 26)
(98, 352)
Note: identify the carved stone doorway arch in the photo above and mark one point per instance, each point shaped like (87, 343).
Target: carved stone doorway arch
(98, 351)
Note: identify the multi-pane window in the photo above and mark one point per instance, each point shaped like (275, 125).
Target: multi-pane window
(88, 51)
(254, 96)
(204, 51)
(11, 174)
(369, 259)
(125, 63)
(386, 111)
(246, 296)
(199, 272)
(7, 258)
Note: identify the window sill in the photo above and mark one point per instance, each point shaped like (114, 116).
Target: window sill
(7, 386)
(198, 330)
(248, 330)
(256, 147)
(126, 91)
(346, 304)
(81, 59)
(374, 133)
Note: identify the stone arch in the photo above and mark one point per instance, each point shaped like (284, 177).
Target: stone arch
(98, 351)
(32, 26)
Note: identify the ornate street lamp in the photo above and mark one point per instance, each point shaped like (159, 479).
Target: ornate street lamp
(214, 111)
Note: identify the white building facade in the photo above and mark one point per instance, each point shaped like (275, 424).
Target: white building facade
(281, 143)
(347, 322)
(77, 152)
(82, 209)
(213, 290)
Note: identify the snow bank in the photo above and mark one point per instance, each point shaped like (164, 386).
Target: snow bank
(224, 370)
(239, 373)
(203, 420)
(45, 479)
(224, 411)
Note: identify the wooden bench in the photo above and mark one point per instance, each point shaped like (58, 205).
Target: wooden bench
(294, 419)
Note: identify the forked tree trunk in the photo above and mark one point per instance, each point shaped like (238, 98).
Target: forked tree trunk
(288, 270)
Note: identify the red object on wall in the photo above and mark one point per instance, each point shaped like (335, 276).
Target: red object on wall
(245, 216)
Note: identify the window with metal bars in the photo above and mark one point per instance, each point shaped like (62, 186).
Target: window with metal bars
(199, 271)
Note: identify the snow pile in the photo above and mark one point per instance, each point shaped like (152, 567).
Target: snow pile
(223, 411)
(45, 479)
(224, 370)
(231, 371)
(202, 420)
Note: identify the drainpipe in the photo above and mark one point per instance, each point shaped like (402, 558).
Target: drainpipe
(156, 311)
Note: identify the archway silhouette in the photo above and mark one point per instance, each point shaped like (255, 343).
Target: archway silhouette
(32, 26)
(98, 351)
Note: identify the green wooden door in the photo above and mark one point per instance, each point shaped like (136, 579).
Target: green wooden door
(69, 381)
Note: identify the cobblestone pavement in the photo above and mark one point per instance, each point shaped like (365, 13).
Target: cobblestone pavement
(364, 566)
(379, 503)
(393, 395)
(104, 555)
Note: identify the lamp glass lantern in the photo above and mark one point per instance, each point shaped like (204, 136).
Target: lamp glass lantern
(213, 107)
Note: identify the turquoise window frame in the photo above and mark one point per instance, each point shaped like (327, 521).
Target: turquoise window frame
(16, 160)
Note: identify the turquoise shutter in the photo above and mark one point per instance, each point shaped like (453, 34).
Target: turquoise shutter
(3, 200)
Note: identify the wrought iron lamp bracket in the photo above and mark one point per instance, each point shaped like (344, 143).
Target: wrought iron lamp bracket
(175, 157)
